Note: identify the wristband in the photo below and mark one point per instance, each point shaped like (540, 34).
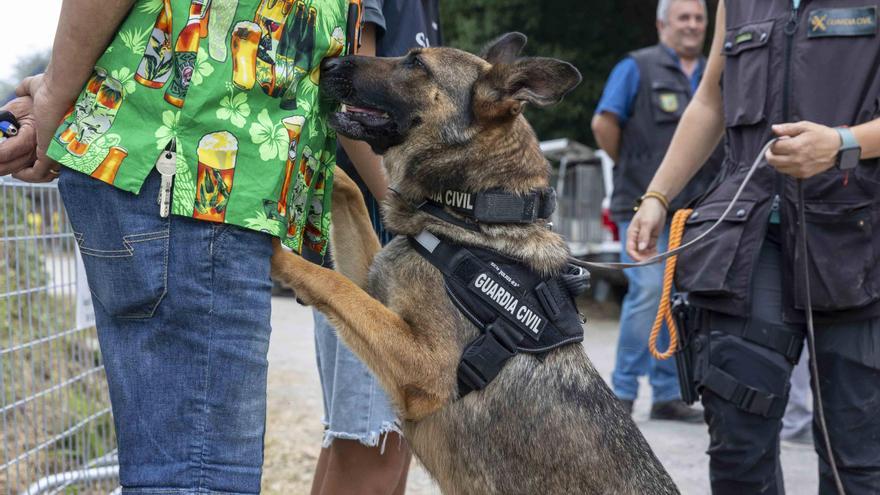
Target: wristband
(659, 196)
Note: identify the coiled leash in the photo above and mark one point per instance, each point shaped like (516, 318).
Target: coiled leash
(665, 310)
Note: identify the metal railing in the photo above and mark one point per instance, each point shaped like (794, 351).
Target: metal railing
(54, 410)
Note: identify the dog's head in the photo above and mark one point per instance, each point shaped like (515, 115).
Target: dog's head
(441, 101)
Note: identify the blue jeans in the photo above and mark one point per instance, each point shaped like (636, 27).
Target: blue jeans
(182, 310)
(636, 319)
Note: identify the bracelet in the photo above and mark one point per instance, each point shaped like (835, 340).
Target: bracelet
(659, 196)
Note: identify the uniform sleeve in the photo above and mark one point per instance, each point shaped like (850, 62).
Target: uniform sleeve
(373, 14)
(620, 90)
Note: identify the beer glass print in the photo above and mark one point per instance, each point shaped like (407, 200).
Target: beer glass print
(271, 16)
(155, 67)
(245, 42)
(337, 43)
(294, 127)
(295, 54)
(185, 52)
(100, 118)
(83, 105)
(297, 208)
(217, 153)
(221, 17)
(108, 168)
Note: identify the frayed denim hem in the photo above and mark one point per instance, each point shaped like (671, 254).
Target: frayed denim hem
(369, 439)
(175, 491)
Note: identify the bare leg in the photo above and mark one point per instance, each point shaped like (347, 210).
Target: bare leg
(320, 472)
(356, 469)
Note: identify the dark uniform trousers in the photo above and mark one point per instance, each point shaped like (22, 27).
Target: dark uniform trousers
(744, 448)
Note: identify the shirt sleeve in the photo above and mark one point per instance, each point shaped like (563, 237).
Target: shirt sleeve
(373, 14)
(620, 90)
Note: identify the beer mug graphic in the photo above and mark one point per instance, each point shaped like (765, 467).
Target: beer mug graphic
(108, 168)
(83, 105)
(245, 43)
(294, 127)
(98, 120)
(217, 153)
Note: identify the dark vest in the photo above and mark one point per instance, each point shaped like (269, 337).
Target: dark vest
(818, 64)
(664, 92)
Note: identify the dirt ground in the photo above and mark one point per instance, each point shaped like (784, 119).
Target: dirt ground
(293, 434)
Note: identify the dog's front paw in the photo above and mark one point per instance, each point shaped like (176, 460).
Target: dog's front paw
(290, 269)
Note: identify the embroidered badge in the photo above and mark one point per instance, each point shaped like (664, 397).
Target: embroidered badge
(860, 21)
(669, 102)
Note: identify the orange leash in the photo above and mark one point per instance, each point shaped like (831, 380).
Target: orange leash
(664, 312)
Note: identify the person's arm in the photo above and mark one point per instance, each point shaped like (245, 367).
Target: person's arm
(368, 164)
(85, 28)
(615, 106)
(606, 130)
(698, 133)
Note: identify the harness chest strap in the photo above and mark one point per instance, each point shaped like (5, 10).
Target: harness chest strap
(516, 310)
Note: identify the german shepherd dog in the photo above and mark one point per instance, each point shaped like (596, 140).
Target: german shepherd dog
(447, 119)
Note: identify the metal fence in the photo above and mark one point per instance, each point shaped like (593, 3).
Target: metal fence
(54, 411)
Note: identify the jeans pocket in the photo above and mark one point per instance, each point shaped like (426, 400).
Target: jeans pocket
(123, 242)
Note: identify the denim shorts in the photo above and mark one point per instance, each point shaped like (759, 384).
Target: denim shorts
(355, 406)
(182, 310)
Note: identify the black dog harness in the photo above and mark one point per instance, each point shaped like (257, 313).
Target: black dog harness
(515, 309)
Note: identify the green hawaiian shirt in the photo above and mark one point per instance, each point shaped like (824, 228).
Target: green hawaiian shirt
(232, 86)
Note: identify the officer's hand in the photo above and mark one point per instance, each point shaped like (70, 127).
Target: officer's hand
(19, 151)
(48, 111)
(645, 229)
(804, 149)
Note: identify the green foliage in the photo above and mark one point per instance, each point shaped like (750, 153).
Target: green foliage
(593, 35)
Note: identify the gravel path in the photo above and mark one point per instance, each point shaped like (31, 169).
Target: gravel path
(293, 434)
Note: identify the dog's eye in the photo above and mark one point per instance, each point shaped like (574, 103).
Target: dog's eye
(416, 63)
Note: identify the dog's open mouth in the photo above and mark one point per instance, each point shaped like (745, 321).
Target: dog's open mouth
(367, 116)
(373, 125)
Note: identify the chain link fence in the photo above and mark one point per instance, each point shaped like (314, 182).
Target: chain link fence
(55, 415)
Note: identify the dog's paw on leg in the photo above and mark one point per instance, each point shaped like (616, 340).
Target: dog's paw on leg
(290, 269)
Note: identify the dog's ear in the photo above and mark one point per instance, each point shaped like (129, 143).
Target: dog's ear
(504, 89)
(542, 81)
(504, 49)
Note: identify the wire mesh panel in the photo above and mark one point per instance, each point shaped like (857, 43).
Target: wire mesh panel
(54, 411)
(578, 216)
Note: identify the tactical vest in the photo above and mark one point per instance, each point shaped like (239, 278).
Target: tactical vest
(818, 63)
(664, 92)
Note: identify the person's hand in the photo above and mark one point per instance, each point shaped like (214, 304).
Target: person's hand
(20, 151)
(645, 229)
(48, 112)
(804, 149)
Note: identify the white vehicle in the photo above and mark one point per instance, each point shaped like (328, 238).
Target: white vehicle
(583, 179)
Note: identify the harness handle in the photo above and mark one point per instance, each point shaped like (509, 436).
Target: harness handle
(664, 311)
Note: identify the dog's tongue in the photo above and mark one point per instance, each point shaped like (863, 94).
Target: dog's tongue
(371, 111)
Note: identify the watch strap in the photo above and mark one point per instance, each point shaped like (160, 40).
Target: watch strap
(847, 138)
